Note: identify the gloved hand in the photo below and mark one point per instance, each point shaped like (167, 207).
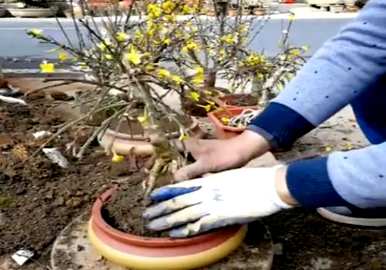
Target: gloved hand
(231, 197)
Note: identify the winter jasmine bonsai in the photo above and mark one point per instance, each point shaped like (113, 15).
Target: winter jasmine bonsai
(132, 57)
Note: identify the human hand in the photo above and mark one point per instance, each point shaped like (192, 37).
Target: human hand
(231, 197)
(218, 155)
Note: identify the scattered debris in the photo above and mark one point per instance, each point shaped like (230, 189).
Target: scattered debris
(20, 152)
(41, 134)
(56, 157)
(10, 91)
(22, 256)
(12, 100)
(278, 249)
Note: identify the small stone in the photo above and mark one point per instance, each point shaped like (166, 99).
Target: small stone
(73, 202)
(2, 219)
(59, 201)
(80, 248)
(278, 249)
(50, 194)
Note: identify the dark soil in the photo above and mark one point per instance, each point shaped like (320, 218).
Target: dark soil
(242, 100)
(311, 242)
(125, 209)
(39, 198)
(251, 255)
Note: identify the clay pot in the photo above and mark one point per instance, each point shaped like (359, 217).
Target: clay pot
(137, 252)
(223, 131)
(124, 143)
(32, 12)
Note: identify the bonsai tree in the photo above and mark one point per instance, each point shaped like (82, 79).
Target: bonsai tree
(267, 75)
(133, 57)
(136, 61)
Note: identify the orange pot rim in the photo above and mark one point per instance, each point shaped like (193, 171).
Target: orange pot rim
(120, 135)
(131, 239)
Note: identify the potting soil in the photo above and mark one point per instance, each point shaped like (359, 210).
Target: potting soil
(124, 210)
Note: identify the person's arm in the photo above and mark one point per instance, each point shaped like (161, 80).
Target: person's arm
(343, 68)
(356, 177)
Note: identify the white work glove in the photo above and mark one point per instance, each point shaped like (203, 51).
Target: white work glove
(231, 197)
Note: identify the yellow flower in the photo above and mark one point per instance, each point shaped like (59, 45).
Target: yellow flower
(222, 54)
(199, 70)
(133, 56)
(103, 45)
(225, 120)
(164, 73)
(291, 17)
(254, 59)
(348, 146)
(62, 56)
(149, 68)
(191, 45)
(195, 96)
(121, 37)
(117, 158)
(46, 67)
(328, 148)
(187, 10)
(177, 79)
(183, 137)
(35, 32)
(199, 76)
(168, 6)
(166, 41)
(144, 119)
(229, 39)
(108, 56)
(295, 52)
(153, 11)
(259, 77)
(138, 34)
(207, 107)
(151, 28)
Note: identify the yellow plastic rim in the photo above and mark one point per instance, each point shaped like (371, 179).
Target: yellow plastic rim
(161, 263)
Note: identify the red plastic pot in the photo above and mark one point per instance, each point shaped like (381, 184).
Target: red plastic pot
(223, 131)
(159, 253)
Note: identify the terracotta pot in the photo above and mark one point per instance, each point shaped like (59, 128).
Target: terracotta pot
(124, 143)
(223, 131)
(103, 4)
(137, 252)
(32, 12)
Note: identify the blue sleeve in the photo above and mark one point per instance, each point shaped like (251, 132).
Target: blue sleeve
(346, 66)
(355, 178)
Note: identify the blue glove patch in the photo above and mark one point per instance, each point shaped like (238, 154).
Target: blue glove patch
(167, 193)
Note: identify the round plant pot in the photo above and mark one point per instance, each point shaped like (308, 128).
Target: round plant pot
(2, 11)
(223, 131)
(137, 252)
(32, 12)
(124, 143)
